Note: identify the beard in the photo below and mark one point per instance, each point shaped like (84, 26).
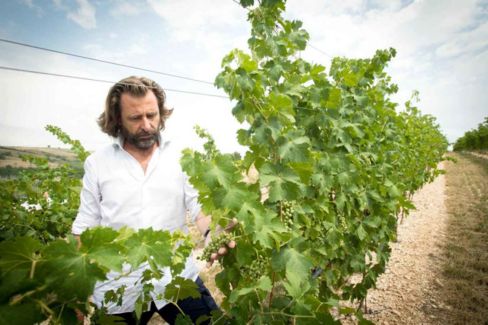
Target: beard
(142, 140)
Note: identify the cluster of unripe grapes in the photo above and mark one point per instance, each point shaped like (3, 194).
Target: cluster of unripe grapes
(287, 212)
(217, 246)
(256, 269)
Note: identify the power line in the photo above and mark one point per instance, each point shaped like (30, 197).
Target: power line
(104, 81)
(104, 61)
(320, 51)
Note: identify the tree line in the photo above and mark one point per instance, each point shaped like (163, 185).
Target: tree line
(476, 139)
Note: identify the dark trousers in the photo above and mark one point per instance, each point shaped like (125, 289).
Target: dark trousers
(192, 307)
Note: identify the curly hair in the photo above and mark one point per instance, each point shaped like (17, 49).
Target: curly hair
(110, 120)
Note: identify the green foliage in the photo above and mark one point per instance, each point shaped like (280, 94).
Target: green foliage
(76, 146)
(42, 202)
(11, 172)
(45, 274)
(474, 139)
(423, 147)
(51, 281)
(335, 160)
(5, 154)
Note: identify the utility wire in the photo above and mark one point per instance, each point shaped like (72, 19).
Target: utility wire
(104, 81)
(104, 61)
(320, 51)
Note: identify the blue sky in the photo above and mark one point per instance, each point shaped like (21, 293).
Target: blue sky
(442, 52)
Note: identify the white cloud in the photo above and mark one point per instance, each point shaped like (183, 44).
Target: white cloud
(36, 8)
(441, 46)
(201, 21)
(125, 8)
(84, 15)
(391, 5)
(58, 3)
(188, 15)
(119, 55)
(463, 42)
(207, 29)
(409, 28)
(346, 7)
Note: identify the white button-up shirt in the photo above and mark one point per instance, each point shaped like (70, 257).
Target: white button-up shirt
(116, 192)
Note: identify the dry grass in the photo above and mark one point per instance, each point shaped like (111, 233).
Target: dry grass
(10, 156)
(465, 258)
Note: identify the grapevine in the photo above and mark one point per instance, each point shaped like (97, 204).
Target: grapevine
(338, 164)
(43, 201)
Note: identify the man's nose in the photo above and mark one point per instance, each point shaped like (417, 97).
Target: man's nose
(146, 124)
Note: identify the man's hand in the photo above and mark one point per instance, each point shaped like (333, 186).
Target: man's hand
(218, 244)
(80, 316)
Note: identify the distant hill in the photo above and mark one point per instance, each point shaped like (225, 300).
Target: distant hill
(11, 162)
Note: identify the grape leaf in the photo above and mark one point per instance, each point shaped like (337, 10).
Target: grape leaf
(297, 269)
(18, 254)
(28, 313)
(268, 230)
(234, 197)
(181, 288)
(283, 182)
(149, 243)
(69, 272)
(99, 244)
(293, 148)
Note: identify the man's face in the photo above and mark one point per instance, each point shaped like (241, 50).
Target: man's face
(140, 120)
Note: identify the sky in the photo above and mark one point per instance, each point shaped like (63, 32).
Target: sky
(442, 52)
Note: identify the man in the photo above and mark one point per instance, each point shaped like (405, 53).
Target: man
(138, 182)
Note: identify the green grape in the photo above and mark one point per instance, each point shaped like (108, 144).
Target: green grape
(221, 241)
(256, 269)
(287, 213)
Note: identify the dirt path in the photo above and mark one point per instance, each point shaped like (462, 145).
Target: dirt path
(406, 292)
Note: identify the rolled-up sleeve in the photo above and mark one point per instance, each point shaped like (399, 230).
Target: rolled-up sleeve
(191, 199)
(89, 211)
